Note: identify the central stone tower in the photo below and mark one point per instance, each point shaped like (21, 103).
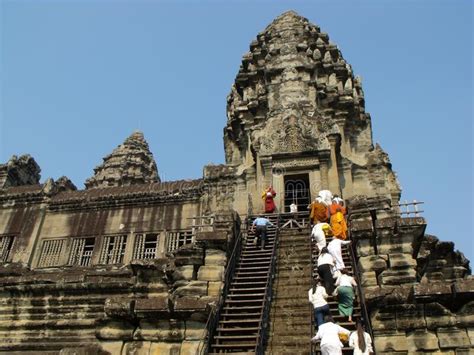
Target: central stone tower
(297, 121)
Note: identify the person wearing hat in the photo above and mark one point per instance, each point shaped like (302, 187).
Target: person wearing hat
(319, 233)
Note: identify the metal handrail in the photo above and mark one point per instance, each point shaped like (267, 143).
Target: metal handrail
(363, 307)
(311, 318)
(262, 334)
(214, 314)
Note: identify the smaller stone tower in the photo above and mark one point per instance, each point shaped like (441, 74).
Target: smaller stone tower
(129, 164)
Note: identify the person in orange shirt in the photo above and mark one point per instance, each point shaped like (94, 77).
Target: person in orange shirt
(318, 211)
(338, 220)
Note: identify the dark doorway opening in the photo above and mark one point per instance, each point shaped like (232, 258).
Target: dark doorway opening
(297, 191)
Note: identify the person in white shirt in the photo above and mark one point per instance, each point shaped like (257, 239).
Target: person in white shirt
(293, 208)
(326, 197)
(328, 333)
(317, 296)
(345, 294)
(318, 234)
(335, 248)
(361, 341)
(325, 266)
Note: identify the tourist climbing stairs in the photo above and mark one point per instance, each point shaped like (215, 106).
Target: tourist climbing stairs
(359, 307)
(243, 319)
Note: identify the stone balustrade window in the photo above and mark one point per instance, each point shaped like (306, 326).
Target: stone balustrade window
(146, 246)
(113, 249)
(51, 252)
(177, 239)
(6, 243)
(81, 251)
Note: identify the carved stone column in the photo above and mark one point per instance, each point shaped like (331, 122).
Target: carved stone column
(323, 169)
(267, 170)
(348, 188)
(333, 172)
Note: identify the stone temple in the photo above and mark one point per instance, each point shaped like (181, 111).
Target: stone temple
(135, 265)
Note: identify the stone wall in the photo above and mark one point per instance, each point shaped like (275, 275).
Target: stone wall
(418, 290)
(157, 306)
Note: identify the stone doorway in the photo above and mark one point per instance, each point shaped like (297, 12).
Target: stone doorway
(297, 190)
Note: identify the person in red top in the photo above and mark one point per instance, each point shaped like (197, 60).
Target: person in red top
(268, 195)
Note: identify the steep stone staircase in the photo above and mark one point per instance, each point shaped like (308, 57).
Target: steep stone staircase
(289, 258)
(290, 316)
(243, 319)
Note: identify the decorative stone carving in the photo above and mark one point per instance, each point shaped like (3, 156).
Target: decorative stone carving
(19, 171)
(129, 164)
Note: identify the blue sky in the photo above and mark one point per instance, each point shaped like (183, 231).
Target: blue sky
(78, 77)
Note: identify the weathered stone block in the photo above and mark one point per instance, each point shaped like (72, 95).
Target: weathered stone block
(82, 350)
(189, 255)
(464, 286)
(191, 304)
(215, 257)
(437, 316)
(156, 304)
(372, 263)
(195, 330)
(192, 288)
(364, 248)
(470, 333)
(115, 330)
(211, 273)
(384, 319)
(191, 347)
(422, 340)
(432, 290)
(465, 316)
(112, 347)
(391, 342)
(136, 348)
(452, 338)
(212, 236)
(397, 277)
(163, 348)
(183, 273)
(118, 307)
(400, 260)
(169, 330)
(369, 278)
(410, 316)
(214, 288)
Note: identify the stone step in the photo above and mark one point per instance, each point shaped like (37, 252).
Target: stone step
(243, 290)
(42, 311)
(238, 322)
(49, 324)
(235, 345)
(51, 315)
(37, 346)
(237, 330)
(239, 314)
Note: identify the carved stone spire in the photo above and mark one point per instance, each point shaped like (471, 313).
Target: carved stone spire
(129, 164)
(19, 171)
(294, 74)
